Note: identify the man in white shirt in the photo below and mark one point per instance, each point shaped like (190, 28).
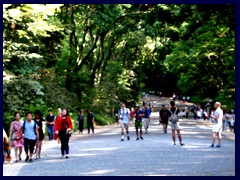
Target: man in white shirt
(217, 128)
(124, 119)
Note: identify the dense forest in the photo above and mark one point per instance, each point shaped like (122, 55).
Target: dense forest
(95, 56)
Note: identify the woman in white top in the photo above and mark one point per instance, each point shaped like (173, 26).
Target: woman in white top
(231, 120)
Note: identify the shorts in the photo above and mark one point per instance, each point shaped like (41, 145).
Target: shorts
(217, 128)
(164, 121)
(175, 126)
(123, 125)
(138, 124)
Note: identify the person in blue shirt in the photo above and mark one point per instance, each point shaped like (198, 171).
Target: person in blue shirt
(138, 114)
(146, 118)
(31, 135)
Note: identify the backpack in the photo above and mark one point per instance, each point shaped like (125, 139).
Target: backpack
(173, 118)
(34, 127)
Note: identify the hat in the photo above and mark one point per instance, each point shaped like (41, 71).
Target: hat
(163, 105)
(137, 105)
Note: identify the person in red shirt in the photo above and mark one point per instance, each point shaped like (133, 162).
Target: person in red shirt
(63, 125)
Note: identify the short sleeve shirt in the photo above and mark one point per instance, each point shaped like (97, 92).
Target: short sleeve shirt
(219, 113)
(138, 117)
(29, 131)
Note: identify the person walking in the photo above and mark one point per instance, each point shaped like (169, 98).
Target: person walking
(63, 130)
(225, 119)
(175, 126)
(39, 121)
(199, 112)
(231, 120)
(90, 121)
(146, 118)
(81, 122)
(138, 114)
(16, 136)
(30, 130)
(164, 114)
(6, 148)
(217, 127)
(124, 119)
(55, 136)
(50, 124)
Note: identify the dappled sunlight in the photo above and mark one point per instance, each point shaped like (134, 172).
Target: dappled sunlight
(100, 149)
(99, 172)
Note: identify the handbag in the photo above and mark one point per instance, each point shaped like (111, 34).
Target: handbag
(17, 135)
(68, 131)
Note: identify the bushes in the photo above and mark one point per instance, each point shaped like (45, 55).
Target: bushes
(103, 119)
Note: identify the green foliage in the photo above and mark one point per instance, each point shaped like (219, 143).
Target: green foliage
(80, 56)
(103, 119)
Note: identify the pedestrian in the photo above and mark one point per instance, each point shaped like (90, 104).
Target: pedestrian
(225, 119)
(143, 103)
(16, 136)
(63, 129)
(59, 114)
(138, 114)
(124, 119)
(184, 99)
(194, 111)
(208, 106)
(90, 121)
(164, 114)
(217, 127)
(205, 114)
(81, 122)
(50, 124)
(39, 120)
(183, 113)
(175, 126)
(6, 148)
(187, 111)
(146, 118)
(174, 97)
(188, 99)
(30, 131)
(199, 112)
(231, 120)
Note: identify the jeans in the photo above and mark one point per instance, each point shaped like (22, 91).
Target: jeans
(50, 132)
(224, 125)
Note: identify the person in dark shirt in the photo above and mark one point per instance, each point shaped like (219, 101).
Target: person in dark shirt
(81, 121)
(39, 121)
(164, 114)
(138, 121)
(175, 126)
(90, 121)
(50, 124)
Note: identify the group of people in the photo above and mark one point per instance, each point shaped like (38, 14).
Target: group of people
(90, 122)
(29, 134)
(127, 116)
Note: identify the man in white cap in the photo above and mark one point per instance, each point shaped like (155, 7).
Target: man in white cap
(217, 128)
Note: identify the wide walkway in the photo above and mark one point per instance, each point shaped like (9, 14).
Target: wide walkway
(102, 154)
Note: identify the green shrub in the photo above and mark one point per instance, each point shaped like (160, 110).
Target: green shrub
(103, 119)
